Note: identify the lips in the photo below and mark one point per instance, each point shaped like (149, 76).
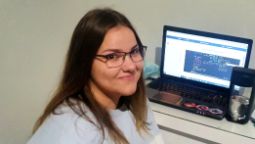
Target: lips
(127, 77)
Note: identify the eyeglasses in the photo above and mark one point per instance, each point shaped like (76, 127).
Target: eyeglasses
(116, 59)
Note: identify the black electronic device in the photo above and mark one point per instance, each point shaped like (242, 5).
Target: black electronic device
(242, 92)
(195, 69)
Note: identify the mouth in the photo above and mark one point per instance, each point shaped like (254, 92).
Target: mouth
(127, 77)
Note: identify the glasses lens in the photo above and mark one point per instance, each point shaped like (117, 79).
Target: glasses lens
(137, 54)
(115, 61)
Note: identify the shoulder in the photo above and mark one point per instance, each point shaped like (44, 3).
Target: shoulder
(65, 128)
(156, 137)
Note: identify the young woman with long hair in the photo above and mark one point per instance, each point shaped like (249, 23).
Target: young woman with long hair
(101, 96)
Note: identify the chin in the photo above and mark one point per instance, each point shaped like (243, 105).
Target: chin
(128, 91)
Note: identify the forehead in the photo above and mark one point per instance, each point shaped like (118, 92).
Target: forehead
(119, 38)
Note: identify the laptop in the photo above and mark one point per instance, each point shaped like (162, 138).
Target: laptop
(195, 70)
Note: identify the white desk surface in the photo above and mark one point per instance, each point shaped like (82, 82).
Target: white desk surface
(218, 131)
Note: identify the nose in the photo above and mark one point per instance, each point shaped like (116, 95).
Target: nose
(128, 64)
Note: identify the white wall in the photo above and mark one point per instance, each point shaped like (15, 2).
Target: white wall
(34, 36)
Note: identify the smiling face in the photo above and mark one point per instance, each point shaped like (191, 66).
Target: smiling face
(108, 84)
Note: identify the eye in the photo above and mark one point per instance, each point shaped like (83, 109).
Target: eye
(112, 56)
(135, 51)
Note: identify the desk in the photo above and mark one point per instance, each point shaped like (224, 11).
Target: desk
(183, 127)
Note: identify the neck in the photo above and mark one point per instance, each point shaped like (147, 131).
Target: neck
(106, 100)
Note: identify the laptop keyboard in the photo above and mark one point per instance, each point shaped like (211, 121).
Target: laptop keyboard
(189, 98)
(193, 93)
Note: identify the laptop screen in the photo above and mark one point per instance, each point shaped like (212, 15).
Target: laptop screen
(202, 57)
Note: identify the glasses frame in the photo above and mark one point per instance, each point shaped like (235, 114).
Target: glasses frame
(142, 50)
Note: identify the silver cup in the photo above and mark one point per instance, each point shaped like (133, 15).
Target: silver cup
(238, 107)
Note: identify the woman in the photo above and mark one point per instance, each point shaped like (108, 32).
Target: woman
(100, 98)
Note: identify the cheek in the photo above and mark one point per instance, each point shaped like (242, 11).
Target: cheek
(101, 73)
(140, 66)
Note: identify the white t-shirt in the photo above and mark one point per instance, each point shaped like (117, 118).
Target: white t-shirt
(69, 128)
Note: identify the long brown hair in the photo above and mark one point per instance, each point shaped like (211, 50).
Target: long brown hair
(74, 85)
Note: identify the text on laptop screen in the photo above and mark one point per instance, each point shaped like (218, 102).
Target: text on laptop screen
(203, 59)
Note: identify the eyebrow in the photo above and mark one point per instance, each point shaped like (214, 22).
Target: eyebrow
(117, 50)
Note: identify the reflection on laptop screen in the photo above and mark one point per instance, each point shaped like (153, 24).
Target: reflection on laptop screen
(203, 57)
